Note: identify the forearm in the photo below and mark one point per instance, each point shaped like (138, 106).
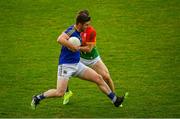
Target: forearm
(87, 48)
(63, 40)
(84, 49)
(65, 43)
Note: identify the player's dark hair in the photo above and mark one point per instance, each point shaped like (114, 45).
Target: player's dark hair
(84, 11)
(83, 17)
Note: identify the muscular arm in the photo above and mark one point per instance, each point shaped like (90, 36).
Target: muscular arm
(63, 40)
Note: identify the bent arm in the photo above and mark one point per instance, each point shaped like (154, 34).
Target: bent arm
(63, 40)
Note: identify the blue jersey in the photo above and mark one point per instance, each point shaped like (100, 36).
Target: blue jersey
(67, 56)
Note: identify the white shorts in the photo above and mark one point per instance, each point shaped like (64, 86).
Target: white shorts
(90, 62)
(66, 71)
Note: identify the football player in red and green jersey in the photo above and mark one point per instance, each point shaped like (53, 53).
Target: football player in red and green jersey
(90, 55)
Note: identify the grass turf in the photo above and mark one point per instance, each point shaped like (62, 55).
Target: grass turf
(138, 40)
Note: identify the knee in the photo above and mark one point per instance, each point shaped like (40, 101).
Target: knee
(99, 79)
(106, 76)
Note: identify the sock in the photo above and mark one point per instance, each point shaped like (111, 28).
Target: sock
(112, 96)
(41, 96)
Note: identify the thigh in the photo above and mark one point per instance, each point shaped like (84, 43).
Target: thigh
(100, 67)
(90, 75)
(65, 71)
(62, 83)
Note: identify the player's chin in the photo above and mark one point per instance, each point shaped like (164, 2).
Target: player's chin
(82, 30)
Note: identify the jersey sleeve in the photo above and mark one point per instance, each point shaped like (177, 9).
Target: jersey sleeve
(69, 31)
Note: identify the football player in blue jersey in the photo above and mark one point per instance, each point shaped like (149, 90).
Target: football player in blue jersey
(69, 66)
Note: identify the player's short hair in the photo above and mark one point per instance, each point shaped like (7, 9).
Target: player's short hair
(82, 17)
(84, 11)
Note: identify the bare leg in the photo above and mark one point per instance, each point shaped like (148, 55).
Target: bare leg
(101, 69)
(59, 91)
(90, 75)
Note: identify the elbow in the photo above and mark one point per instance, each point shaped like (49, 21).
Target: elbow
(59, 40)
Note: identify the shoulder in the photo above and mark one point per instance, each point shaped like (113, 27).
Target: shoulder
(90, 30)
(69, 31)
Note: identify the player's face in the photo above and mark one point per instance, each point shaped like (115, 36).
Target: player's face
(85, 25)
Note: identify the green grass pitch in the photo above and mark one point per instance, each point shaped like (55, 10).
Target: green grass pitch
(139, 41)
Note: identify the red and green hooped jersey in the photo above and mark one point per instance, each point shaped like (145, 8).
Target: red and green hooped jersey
(89, 37)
